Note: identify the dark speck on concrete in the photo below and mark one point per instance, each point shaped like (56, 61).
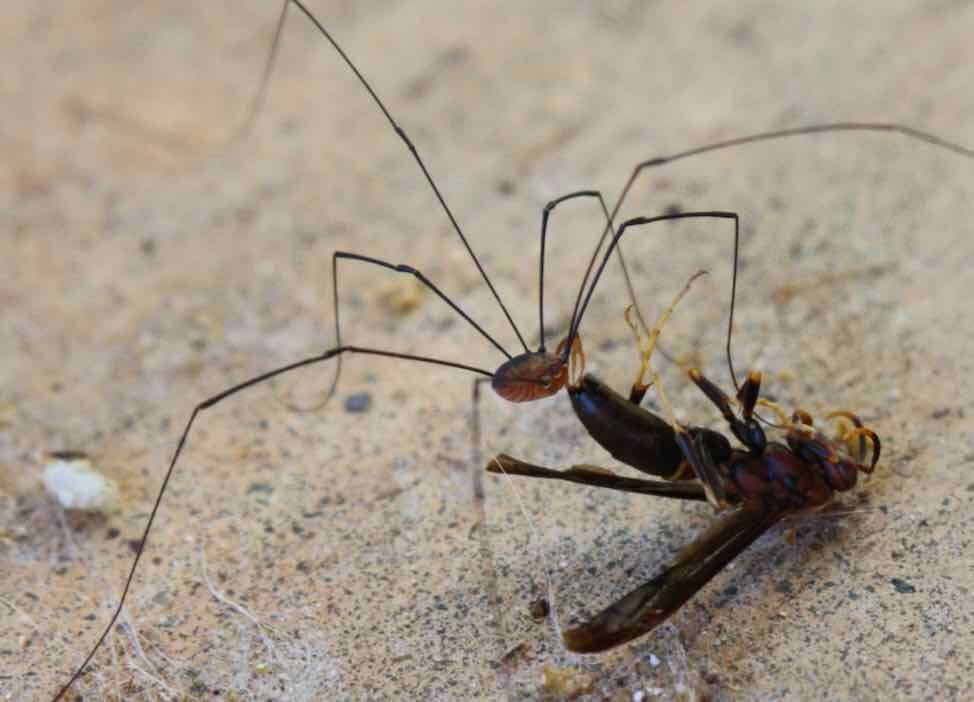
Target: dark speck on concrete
(539, 609)
(198, 688)
(902, 586)
(260, 489)
(358, 403)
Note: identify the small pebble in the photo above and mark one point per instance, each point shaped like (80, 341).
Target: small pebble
(903, 586)
(539, 609)
(76, 484)
(358, 403)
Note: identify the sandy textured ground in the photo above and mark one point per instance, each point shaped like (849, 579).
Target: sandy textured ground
(339, 555)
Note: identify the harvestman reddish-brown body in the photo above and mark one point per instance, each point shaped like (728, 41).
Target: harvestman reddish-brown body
(752, 487)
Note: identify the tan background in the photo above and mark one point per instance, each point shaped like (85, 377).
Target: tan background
(144, 269)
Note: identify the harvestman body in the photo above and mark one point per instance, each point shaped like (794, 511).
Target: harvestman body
(752, 487)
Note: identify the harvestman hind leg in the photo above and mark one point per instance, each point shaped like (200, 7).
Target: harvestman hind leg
(807, 130)
(334, 353)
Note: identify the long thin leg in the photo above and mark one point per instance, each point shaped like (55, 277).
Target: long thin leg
(476, 436)
(206, 404)
(597, 477)
(400, 132)
(398, 268)
(545, 214)
(650, 604)
(805, 130)
(588, 268)
(640, 221)
(639, 169)
(640, 386)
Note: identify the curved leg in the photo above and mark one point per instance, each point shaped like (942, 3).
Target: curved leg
(639, 386)
(338, 351)
(641, 167)
(862, 433)
(545, 214)
(400, 132)
(779, 412)
(398, 268)
(807, 130)
(847, 436)
(800, 416)
(641, 221)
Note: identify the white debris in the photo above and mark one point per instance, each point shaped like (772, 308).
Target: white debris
(71, 478)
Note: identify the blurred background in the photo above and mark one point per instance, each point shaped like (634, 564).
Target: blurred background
(151, 260)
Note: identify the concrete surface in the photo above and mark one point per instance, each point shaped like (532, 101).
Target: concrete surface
(338, 555)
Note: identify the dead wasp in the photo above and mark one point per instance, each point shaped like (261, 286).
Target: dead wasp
(713, 470)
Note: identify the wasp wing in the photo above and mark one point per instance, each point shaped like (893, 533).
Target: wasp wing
(653, 602)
